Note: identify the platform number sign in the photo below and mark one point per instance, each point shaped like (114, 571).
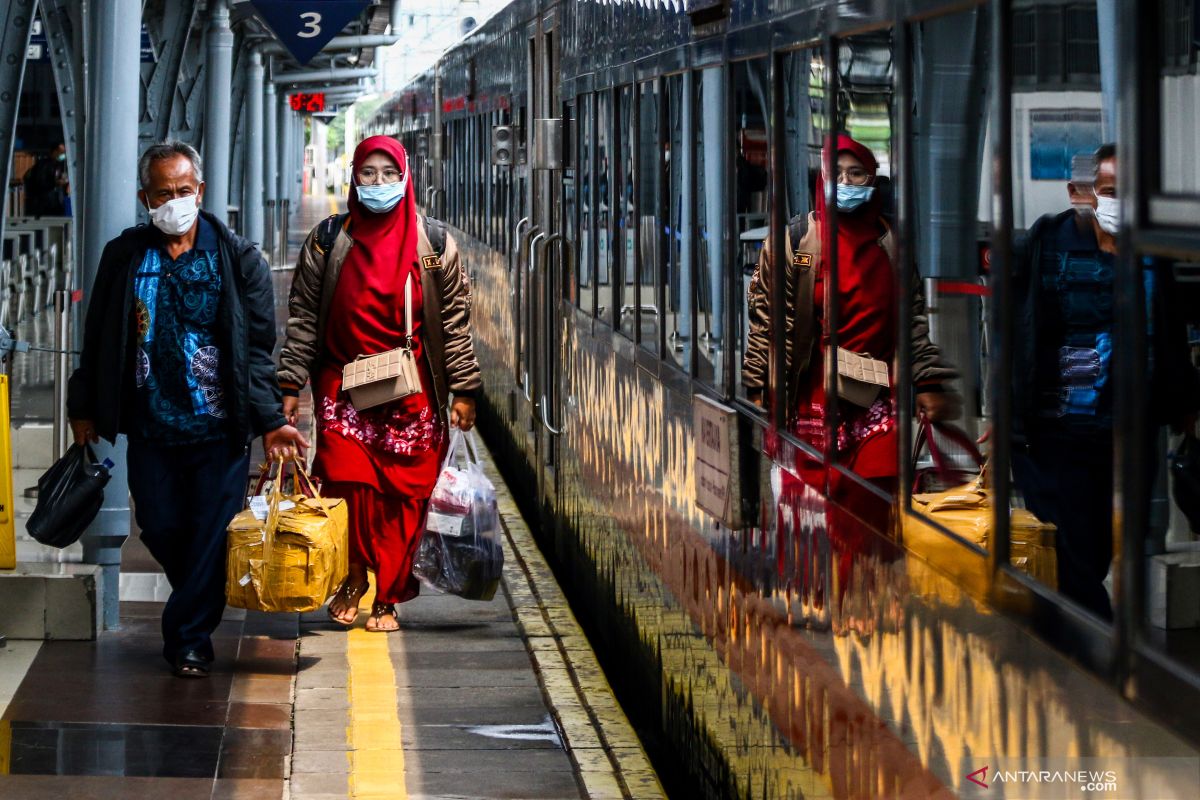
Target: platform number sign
(305, 26)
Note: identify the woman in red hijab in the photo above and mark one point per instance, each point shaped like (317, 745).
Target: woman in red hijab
(866, 304)
(348, 300)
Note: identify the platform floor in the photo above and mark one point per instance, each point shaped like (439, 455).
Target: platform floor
(502, 699)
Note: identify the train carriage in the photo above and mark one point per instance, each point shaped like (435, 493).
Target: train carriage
(612, 171)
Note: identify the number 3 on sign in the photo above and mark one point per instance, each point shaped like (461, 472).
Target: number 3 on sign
(312, 25)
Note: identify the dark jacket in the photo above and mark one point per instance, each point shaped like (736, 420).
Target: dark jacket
(1174, 384)
(102, 389)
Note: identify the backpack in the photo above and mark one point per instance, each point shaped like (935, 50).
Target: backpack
(327, 231)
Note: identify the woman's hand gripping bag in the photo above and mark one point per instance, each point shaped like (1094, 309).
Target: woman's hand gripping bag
(460, 551)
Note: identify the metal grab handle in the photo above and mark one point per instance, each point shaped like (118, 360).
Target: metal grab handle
(529, 350)
(522, 222)
(546, 419)
(547, 334)
(532, 250)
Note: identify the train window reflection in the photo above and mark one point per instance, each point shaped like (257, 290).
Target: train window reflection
(1172, 613)
(949, 292)
(627, 211)
(587, 201)
(604, 200)
(677, 155)
(570, 191)
(1064, 314)
(710, 183)
(803, 118)
(649, 203)
(751, 102)
(1179, 34)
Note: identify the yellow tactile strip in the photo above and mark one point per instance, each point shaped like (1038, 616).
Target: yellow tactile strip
(608, 755)
(374, 735)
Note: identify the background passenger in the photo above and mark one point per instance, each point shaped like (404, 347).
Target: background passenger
(1062, 388)
(349, 301)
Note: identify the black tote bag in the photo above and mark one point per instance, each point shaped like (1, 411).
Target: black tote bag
(69, 497)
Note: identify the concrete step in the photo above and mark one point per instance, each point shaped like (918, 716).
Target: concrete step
(51, 601)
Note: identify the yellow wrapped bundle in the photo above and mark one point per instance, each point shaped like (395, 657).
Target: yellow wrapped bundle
(292, 560)
(967, 510)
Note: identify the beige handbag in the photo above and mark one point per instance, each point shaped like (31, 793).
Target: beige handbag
(379, 379)
(860, 377)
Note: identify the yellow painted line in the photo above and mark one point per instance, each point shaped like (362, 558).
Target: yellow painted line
(332, 204)
(374, 737)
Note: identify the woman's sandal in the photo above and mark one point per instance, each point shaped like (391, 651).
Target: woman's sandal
(378, 612)
(348, 595)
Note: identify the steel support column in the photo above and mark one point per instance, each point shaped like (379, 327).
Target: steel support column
(270, 165)
(65, 49)
(110, 186)
(217, 109)
(252, 137)
(17, 18)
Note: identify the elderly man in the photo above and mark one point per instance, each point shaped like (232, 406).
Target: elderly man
(177, 356)
(1062, 389)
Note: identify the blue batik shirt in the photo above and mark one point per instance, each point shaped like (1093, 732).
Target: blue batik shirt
(177, 366)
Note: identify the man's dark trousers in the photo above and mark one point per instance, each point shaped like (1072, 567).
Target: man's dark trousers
(1067, 480)
(184, 497)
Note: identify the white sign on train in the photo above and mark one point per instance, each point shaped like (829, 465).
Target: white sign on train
(715, 441)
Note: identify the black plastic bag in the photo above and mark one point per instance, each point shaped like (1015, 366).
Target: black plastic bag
(1185, 469)
(69, 497)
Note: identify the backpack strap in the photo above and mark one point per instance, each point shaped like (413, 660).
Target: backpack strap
(327, 232)
(435, 231)
(804, 245)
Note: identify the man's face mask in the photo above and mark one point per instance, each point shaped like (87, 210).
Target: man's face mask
(382, 197)
(176, 217)
(1108, 214)
(850, 197)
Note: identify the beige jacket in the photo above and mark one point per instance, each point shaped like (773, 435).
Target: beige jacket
(800, 322)
(445, 315)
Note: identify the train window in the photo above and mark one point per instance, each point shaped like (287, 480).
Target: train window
(626, 211)
(710, 182)
(1173, 333)
(1065, 319)
(604, 222)
(804, 117)
(570, 202)
(587, 202)
(949, 293)
(651, 167)
(1180, 102)
(751, 99)
(677, 155)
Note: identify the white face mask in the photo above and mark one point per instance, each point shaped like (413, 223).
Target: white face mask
(176, 217)
(1108, 214)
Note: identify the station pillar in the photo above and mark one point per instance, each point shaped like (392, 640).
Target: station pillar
(269, 156)
(110, 196)
(252, 206)
(217, 116)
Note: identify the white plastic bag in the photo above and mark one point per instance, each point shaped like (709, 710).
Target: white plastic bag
(460, 550)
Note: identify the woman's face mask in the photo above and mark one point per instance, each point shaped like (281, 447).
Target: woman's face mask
(1108, 214)
(176, 217)
(850, 197)
(381, 198)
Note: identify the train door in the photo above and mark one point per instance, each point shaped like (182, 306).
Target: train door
(547, 247)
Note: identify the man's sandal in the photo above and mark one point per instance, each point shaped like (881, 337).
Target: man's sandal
(348, 595)
(378, 612)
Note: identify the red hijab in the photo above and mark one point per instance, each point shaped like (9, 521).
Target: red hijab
(866, 285)
(367, 312)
